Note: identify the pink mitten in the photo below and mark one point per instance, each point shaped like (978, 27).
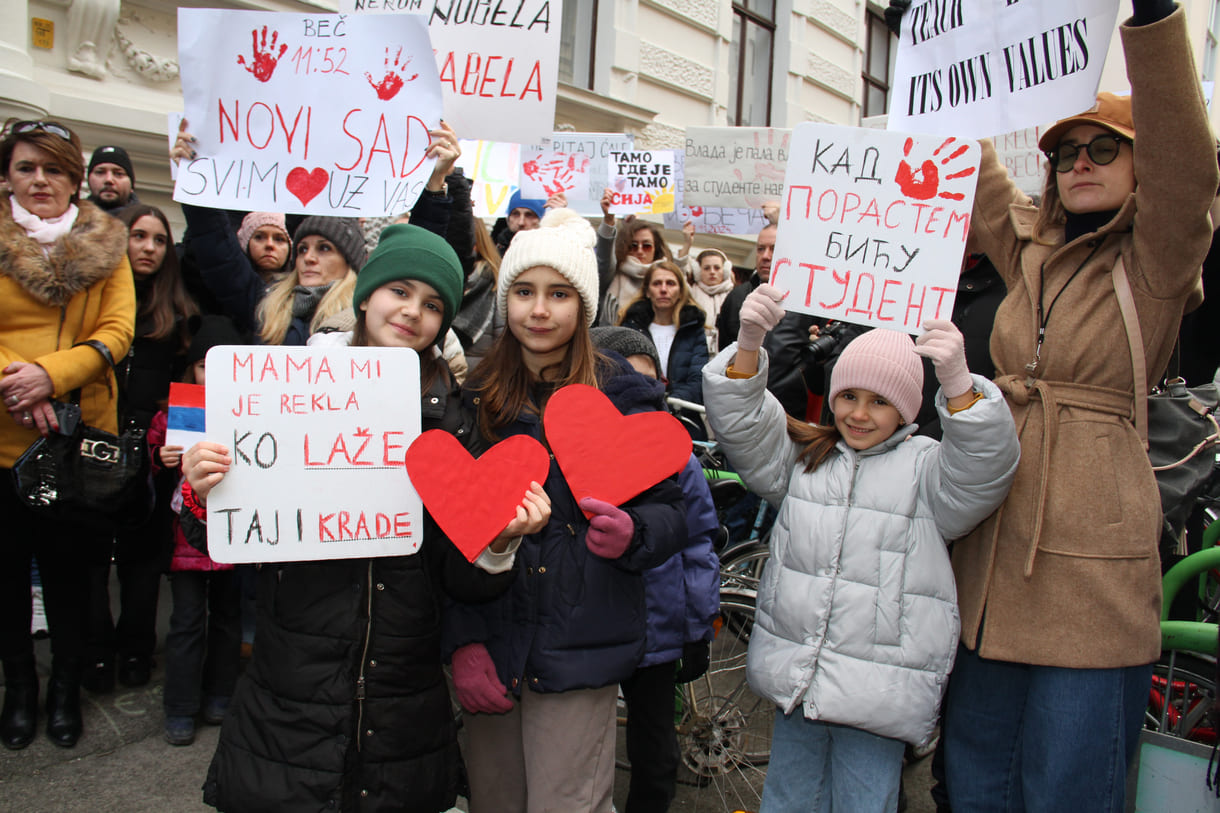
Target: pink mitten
(474, 678)
(760, 313)
(943, 344)
(610, 529)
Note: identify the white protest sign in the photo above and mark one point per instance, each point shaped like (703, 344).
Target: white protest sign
(643, 182)
(974, 69)
(873, 225)
(576, 164)
(306, 114)
(709, 219)
(494, 170)
(318, 437)
(734, 167)
(1018, 152)
(498, 62)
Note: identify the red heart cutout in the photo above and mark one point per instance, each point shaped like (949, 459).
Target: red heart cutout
(306, 184)
(472, 500)
(605, 454)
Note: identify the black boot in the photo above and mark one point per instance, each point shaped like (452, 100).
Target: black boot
(20, 715)
(63, 702)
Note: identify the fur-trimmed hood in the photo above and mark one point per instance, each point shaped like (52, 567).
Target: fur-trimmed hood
(89, 253)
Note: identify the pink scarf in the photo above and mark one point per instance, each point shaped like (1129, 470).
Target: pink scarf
(44, 231)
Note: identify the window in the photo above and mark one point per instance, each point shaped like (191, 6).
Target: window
(1211, 44)
(577, 42)
(750, 63)
(878, 64)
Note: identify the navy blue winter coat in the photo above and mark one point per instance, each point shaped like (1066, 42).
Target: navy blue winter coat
(688, 353)
(573, 620)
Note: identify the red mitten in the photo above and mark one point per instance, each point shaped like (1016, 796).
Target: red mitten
(610, 529)
(474, 678)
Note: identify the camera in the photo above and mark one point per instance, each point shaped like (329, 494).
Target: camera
(830, 337)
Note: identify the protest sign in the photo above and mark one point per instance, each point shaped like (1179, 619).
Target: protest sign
(873, 225)
(1018, 152)
(494, 170)
(498, 62)
(734, 167)
(709, 219)
(974, 69)
(309, 114)
(643, 182)
(318, 437)
(576, 164)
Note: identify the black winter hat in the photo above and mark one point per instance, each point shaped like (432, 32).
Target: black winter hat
(113, 155)
(210, 331)
(344, 232)
(626, 342)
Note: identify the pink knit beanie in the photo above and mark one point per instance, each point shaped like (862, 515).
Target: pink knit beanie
(884, 362)
(255, 221)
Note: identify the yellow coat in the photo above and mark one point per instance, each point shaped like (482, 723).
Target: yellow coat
(83, 289)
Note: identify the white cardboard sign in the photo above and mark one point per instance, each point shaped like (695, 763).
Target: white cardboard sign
(576, 164)
(643, 182)
(317, 114)
(498, 62)
(494, 170)
(974, 68)
(709, 219)
(734, 167)
(318, 437)
(873, 225)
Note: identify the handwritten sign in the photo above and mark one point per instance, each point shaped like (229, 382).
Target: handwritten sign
(734, 167)
(1018, 152)
(709, 219)
(309, 114)
(494, 169)
(577, 164)
(974, 69)
(643, 182)
(873, 225)
(318, 438)
(498, 62)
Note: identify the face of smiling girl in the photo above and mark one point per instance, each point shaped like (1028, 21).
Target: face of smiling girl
(543, 313)
(864, 418)
(404, 313)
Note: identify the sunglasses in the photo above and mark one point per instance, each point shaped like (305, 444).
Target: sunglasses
(1102, 150)
(637, 246)
(46, 126)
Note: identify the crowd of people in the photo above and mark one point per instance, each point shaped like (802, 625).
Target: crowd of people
(932, 542)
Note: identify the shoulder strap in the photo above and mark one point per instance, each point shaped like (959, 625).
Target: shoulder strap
(1135, 338)
(101, 348)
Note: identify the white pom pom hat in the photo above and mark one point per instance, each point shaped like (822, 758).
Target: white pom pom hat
(563, 241)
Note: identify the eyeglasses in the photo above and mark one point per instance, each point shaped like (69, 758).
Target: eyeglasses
(1102, 150)
(46, 126)
(637, 246)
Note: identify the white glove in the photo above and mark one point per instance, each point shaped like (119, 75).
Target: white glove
(760, 313)
(944, 345)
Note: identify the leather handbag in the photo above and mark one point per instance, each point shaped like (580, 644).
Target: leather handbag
(85, 475)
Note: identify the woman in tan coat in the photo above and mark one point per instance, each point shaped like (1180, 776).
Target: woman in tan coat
(64, 279)
(1059, 590)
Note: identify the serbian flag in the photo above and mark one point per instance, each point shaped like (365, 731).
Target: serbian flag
(186, 415)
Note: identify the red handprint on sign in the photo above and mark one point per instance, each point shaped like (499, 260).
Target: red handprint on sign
(924, 183)
(264, 59)
(394, 77)
(557, 174)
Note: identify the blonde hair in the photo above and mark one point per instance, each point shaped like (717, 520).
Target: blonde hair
(274, 312)
(684, 297)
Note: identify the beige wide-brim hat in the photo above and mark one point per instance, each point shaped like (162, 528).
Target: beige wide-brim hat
(1111, 112)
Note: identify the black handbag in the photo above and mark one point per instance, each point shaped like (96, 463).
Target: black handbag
(85, 475)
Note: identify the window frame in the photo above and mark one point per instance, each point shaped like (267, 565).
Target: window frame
(748, 16)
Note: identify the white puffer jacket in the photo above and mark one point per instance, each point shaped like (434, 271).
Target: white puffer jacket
(857, 609)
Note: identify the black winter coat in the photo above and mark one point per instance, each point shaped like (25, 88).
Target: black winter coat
(344, 706)
(573, 620)
(688, 353)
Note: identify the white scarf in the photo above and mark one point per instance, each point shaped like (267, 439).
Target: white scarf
(625, 286)
(44, 231)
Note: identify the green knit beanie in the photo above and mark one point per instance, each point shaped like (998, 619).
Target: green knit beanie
(411, 252)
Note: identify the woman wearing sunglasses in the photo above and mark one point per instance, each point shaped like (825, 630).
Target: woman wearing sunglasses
(1059, 589)
(64, 280)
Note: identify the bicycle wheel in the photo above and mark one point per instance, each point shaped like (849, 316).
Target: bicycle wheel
(1180, 707)
(725, 733)
(741, 567)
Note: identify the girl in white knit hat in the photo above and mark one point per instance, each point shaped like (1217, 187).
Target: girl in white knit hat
(537, 669)
(857, 624)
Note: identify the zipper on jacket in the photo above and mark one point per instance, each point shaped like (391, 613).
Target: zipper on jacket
(364, 654)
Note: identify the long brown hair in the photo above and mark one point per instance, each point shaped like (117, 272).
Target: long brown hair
(485, 248)
(684, 297)
(622, 243)
(167, 305)
(817, 441)
(505, 384)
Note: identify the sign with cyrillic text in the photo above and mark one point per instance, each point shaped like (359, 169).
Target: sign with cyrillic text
(318, 438)
(321, 114)
(576, 164)
(709, 219)
(975, 68)
(642, 182)
(734, 167)
(873, 225)
(498, 62)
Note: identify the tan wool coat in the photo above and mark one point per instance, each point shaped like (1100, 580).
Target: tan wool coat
(1066, 572)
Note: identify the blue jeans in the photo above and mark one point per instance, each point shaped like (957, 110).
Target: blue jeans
(821, 767)
(1021, 737)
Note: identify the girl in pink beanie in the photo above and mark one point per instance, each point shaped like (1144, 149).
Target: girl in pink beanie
(857, 625)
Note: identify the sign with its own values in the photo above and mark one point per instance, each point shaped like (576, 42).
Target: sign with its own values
(873, 225)
(734, 167)
(317, 114)
(318, 437)
(498, 62)
(978, 68)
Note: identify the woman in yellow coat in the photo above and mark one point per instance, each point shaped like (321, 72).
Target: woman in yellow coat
(64, 279)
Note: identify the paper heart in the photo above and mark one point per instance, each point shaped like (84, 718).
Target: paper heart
(306, 184)
(605, 454)
(472, 500)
